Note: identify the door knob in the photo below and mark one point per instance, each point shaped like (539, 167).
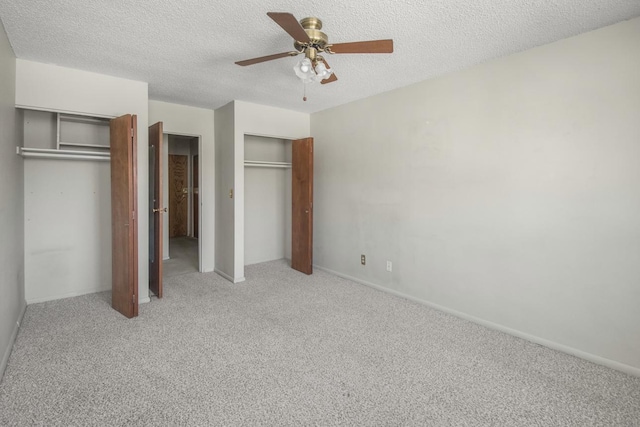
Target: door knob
(159, 210)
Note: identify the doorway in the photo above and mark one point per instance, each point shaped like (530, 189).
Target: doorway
(182, 249)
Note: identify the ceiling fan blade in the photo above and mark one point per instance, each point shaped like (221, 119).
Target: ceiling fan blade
(331, 78)
(290, 24)
(371, 46)
(265, 58)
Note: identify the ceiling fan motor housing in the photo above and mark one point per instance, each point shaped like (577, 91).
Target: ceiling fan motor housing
(318, 39)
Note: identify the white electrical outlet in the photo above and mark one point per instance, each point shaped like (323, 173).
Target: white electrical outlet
(389, 265)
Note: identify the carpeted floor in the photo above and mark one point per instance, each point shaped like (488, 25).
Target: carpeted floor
(283, 349)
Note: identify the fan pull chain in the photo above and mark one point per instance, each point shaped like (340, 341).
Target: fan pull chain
(304, 91)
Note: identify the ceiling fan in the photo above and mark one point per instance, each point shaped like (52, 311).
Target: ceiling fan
(310, 41)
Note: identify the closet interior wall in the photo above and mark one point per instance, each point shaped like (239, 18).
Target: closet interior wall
(267, 199)
(67, 211)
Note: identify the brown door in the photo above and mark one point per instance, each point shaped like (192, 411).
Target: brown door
(178, 195)
(156, 209)
(302, 204)
(124, 223)
(196, 203)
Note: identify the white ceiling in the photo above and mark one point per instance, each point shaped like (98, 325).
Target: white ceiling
(186, 49)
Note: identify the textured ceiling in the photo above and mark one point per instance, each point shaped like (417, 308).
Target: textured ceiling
(186, 49)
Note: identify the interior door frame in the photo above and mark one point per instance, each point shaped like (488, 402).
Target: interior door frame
(201, 184)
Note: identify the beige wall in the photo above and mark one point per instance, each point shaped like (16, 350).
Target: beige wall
(506, 193)
(12, 302)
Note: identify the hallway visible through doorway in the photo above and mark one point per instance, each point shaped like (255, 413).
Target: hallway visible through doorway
(181, 231)
(183, 257)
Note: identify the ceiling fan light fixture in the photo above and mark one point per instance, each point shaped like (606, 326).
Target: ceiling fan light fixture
(322, 72)
(309, 73)
(305, 66)
(304, 70)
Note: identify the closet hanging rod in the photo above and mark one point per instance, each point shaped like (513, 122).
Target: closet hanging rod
(262, 164)
(251, 165)
(44, 153)
(78, 144)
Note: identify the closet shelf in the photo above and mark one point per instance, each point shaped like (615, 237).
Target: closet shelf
(261, 164)
(45, 153)
(76, 144)
(82, 119)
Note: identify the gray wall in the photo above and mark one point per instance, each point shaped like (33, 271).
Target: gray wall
(12, 302)
(506, 193)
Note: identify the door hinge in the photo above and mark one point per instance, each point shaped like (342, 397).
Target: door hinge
(134, 299)
(132, 134)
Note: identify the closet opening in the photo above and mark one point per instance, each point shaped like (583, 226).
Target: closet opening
(267, 199)
(182, 244)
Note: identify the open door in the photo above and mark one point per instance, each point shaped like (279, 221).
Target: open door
(156, 210)
(196, 198)
(302, 205)
(124, 223)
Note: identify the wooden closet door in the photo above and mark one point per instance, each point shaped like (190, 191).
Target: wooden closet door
(124, 223)
(302, 205)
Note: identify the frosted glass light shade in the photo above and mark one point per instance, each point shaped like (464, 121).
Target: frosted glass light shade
(307, 73)
(304, 70)
(322, 72)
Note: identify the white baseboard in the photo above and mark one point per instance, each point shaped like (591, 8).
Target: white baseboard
(12, 340)
(67, 295)
(229, 278)
(142, 300)
(627, 369)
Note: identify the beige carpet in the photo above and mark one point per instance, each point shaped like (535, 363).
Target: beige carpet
(288, 349)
